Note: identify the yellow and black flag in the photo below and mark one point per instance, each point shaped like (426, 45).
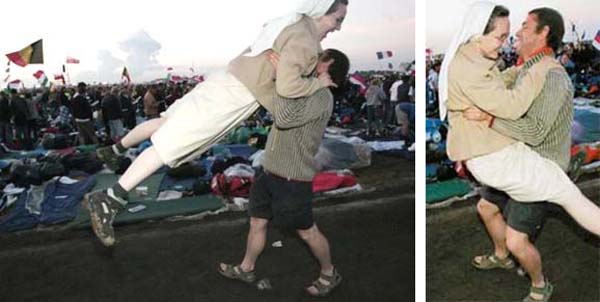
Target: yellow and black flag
(32, 54)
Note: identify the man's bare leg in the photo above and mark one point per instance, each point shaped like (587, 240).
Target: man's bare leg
(495, 226)
(528, 256)
(320, 248)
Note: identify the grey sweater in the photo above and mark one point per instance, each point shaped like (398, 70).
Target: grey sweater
(296, 135)
(546, 127)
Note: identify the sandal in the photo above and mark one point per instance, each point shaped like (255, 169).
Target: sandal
(236, 273)
(325, 284)
(487, 262)
(545, 292)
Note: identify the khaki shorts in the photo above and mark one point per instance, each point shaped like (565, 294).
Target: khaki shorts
(202, 118)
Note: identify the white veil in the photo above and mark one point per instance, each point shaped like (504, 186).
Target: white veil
(474, 23)
(272, 29)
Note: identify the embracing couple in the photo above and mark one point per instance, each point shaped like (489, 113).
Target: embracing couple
(511, 130)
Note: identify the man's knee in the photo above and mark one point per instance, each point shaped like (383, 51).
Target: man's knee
(487, 209)
(516, 241)
(308, 234)
(258, 223)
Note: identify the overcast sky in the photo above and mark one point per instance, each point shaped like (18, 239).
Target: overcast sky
(445, 16)
(149, 36)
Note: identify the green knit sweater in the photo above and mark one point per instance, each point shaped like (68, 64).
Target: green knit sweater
(546, 127)
(296, 135)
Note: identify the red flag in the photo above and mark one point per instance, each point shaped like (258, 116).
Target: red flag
(169, 68)
(358, 79)
(389, 54)
(71, 60)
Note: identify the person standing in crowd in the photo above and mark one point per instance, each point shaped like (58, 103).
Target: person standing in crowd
(375, 97)
(21, 119)
(127, 109)
(150, 104)
(33, 105)
(83, 115)
(6, 115)
(111, 113)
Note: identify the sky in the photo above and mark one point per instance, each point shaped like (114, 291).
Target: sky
(444, 17)
(150, 36)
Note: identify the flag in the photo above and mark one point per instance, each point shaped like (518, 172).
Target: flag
(41, 77)
(14, 84)
(390, 66)
(59, 77)
(169, 68)
(384, 54)
(358, 79)
(71, 60)
(198, 78)
(32, 54)
(125, 76)
(596, 42)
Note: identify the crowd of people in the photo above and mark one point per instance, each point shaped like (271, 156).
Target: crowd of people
(102, 114)
(94, 114)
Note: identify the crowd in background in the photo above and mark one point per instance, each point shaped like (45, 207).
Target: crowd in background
(102, 114)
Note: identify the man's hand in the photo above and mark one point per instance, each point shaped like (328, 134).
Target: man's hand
(475, 114)
(325, 78)
(274, 59)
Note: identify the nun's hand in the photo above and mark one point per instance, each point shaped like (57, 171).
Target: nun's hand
(274, 59)
(325, 78)
(476, 115)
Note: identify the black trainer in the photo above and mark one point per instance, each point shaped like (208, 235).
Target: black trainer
(108, 156)
(103, 208)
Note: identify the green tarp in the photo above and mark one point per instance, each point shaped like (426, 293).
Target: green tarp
(154, 209)
(440, 191)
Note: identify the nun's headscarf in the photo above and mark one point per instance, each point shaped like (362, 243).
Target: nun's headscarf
(474, 24)
(271, 30)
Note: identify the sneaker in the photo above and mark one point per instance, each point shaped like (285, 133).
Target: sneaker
(103, 208)
(108, 156)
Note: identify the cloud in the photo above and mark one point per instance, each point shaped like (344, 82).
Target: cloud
(141, 51)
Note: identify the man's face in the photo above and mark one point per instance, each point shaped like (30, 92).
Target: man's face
(528, 40)
(493, 41)
(334, 20)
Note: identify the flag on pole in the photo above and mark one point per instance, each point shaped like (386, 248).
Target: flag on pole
(596, 42)
(358, 79)
(41, 77)
(71, 60)
(198, 78)
(32, 54)
(125, 76)
(14, 84)
(384, 54)
(60, 77)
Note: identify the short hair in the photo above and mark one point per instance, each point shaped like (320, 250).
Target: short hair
(556, 26)
(335, 5)
(339, 69)
(499, 11)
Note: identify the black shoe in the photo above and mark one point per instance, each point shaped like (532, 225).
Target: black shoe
(103, 209)
(109, 157)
